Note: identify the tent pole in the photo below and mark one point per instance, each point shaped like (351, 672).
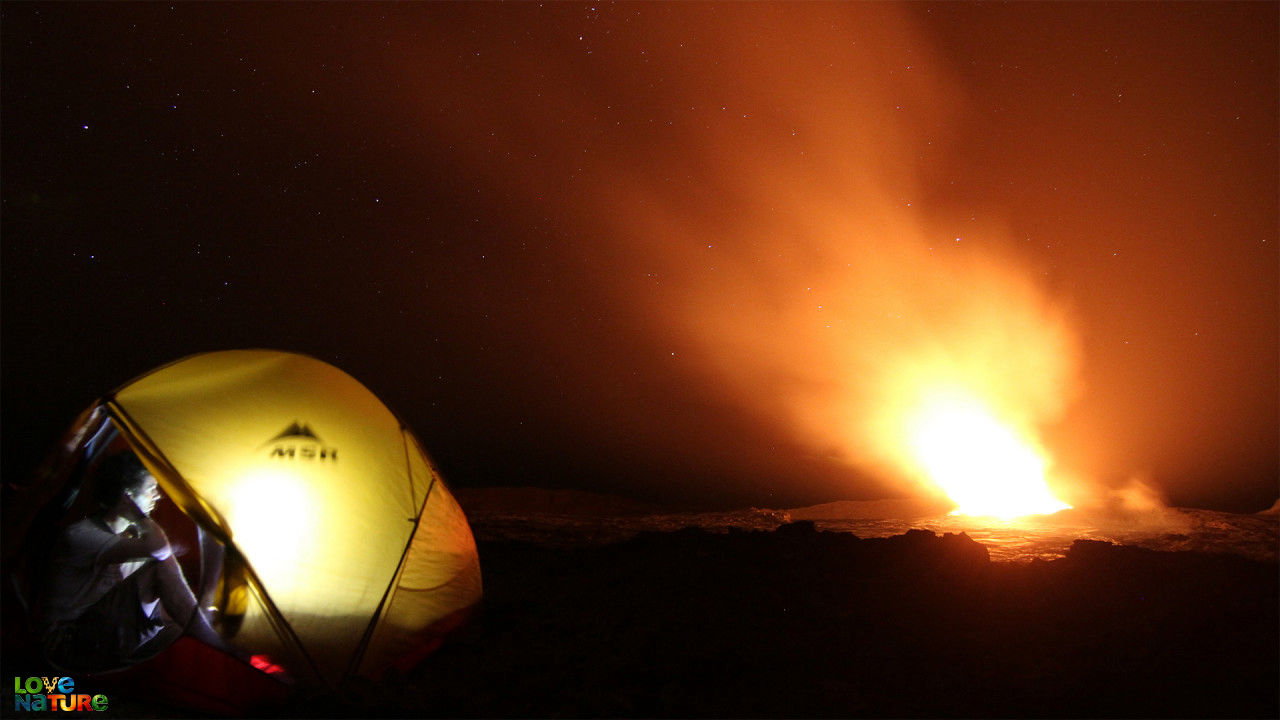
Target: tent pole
(358, 656)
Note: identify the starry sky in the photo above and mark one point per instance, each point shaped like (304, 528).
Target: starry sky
(671, 250)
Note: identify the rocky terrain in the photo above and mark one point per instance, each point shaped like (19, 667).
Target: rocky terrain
(802, 623)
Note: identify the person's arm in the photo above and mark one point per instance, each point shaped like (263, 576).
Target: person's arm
(150, 543)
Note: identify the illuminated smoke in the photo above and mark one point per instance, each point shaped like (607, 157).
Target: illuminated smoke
(758, 180)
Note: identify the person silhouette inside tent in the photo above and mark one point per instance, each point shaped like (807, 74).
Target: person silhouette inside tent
(115, 594)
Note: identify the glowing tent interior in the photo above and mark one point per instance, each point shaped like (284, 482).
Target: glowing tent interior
(341, 550)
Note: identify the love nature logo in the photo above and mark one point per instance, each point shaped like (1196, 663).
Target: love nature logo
(37, 694)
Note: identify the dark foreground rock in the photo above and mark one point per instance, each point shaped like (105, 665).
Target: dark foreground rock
(800, 623)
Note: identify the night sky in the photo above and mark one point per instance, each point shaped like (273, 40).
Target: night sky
(674, 251)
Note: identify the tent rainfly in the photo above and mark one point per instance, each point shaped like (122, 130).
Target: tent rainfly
(343, 551)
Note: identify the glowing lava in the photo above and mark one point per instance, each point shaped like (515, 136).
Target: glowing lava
(981, 464)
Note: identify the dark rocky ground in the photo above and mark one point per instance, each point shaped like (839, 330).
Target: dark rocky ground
(799, 623)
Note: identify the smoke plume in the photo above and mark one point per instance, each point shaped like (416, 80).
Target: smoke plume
(762, 197)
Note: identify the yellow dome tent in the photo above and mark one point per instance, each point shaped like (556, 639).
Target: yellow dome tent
(344, 550)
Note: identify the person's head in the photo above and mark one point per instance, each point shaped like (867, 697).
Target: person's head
(123, 477)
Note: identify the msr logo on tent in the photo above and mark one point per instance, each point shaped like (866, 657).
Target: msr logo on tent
(300, 442)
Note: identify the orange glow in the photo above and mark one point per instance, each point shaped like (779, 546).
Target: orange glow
(823, 296)
(982, 464)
